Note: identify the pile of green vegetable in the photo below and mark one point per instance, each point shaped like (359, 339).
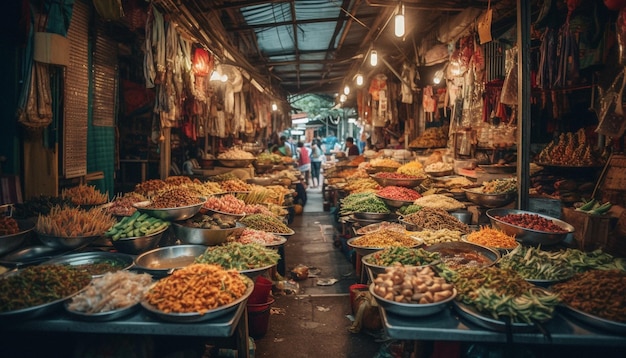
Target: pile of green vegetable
(237, 256)
(403, 255)
(409, 209)
(594, 207)
(502, 294)
(536, 264)
(136, 225)
(362, 203)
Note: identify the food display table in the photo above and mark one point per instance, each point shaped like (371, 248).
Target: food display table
(233, 324)
(448, 326)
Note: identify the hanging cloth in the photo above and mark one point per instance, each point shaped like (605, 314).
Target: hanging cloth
(149, 71)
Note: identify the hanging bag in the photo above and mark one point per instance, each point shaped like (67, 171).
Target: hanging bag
(484, 25)
(612, 122)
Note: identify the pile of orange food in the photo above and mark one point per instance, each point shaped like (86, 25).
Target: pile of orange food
(197, 288)
(490, 237)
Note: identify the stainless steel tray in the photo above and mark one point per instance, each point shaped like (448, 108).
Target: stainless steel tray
(123, 261)
(489, 322)
(592, 320)
(102, 316)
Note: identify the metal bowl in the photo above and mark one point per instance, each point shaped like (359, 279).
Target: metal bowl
(170, 214)
(66, 243)
(451, 251)
(440, 173)
(412, 309)
(375, 216)
(118, 261)
(204, 316)
(11, 242)
(253, 273)
(498, 168)
(404, 182)
(236, 163)
(102, 316)
(529, 236)
(366, 250)
(394, 203)
(200, 236)
(378, 169)
(139, 244)
(160, 262)
(374, 270)
(476, 196)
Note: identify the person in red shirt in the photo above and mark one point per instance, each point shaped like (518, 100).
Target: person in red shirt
(351, 147)
(304, 161)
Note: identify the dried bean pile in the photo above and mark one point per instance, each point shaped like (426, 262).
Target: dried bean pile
(399, 193)
(385, 238)
(410, 284)
(8, 226)
(601, 293)
(402, 255)
(532, 221)
(265, 223)
(435, 219)
(174, 198)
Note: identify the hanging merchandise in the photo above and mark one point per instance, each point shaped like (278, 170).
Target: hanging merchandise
(428, 101)
(109, 9)
(621, 35)
(149, 71)
(484, 25)
(408, 83)
(568, 53)
(378, 83)
(509, 88)
(612, 122)
(546, 72)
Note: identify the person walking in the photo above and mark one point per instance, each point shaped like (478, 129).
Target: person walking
(304, 162)
(317, 158)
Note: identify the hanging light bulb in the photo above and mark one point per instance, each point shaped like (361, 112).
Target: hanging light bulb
(224, 78)
(342, 98)
(274, 107)
(346, 90)
(215, 76)
(359, 79)
(399, 22)
(373, 58)
(438, 77)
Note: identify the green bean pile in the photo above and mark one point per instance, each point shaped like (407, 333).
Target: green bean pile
(237, 256)
(265, 223)
(38, 285)
(403, 255)
(502, 293)
(362, 203)
(409, 209)
(535, 264)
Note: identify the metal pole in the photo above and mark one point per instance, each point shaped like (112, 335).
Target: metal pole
(523, 85)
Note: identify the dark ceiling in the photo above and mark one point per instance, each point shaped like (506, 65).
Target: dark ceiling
(314, 46)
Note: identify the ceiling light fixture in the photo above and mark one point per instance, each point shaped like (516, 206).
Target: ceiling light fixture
(359, 79)
(274, 107)
(438, 77)
(399, 21)
(373, 58)
(342, 98)
(346, 90)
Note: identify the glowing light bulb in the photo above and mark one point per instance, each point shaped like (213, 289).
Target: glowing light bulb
(374, 58)
(399, 23)
(342, 98)
(224, 78)
(346, 90)
(359, 80)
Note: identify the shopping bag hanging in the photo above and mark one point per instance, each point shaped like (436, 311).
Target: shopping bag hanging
(484, 26)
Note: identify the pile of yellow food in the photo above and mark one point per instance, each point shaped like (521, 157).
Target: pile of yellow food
(197, 288)
(414, 168)
(385, 238)
(361, 184)
(384, 162)
(490, 237)
(74, 222)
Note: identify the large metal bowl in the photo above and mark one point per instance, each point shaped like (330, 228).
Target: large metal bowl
(378, 169)
(393, 202)
(412, 309)
(200, 236)
(66, 243)
(476, 196)
(236, 163)
(263, 181)
(440, 173)
(404, 182)
(374, 269)
(453, 254)
(375, 216)
(529, 236)
(170, 214)
(11, 242)
(366, 250)
(198, 316)
(160, 262)
(139, 244)
(89, 261)
(498, 168)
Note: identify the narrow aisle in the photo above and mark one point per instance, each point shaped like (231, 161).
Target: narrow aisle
(314, 322)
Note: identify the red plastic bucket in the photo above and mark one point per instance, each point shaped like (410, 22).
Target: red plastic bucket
(259, 318)
(261, 292)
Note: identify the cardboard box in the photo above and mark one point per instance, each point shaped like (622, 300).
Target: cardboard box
(51, 48)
